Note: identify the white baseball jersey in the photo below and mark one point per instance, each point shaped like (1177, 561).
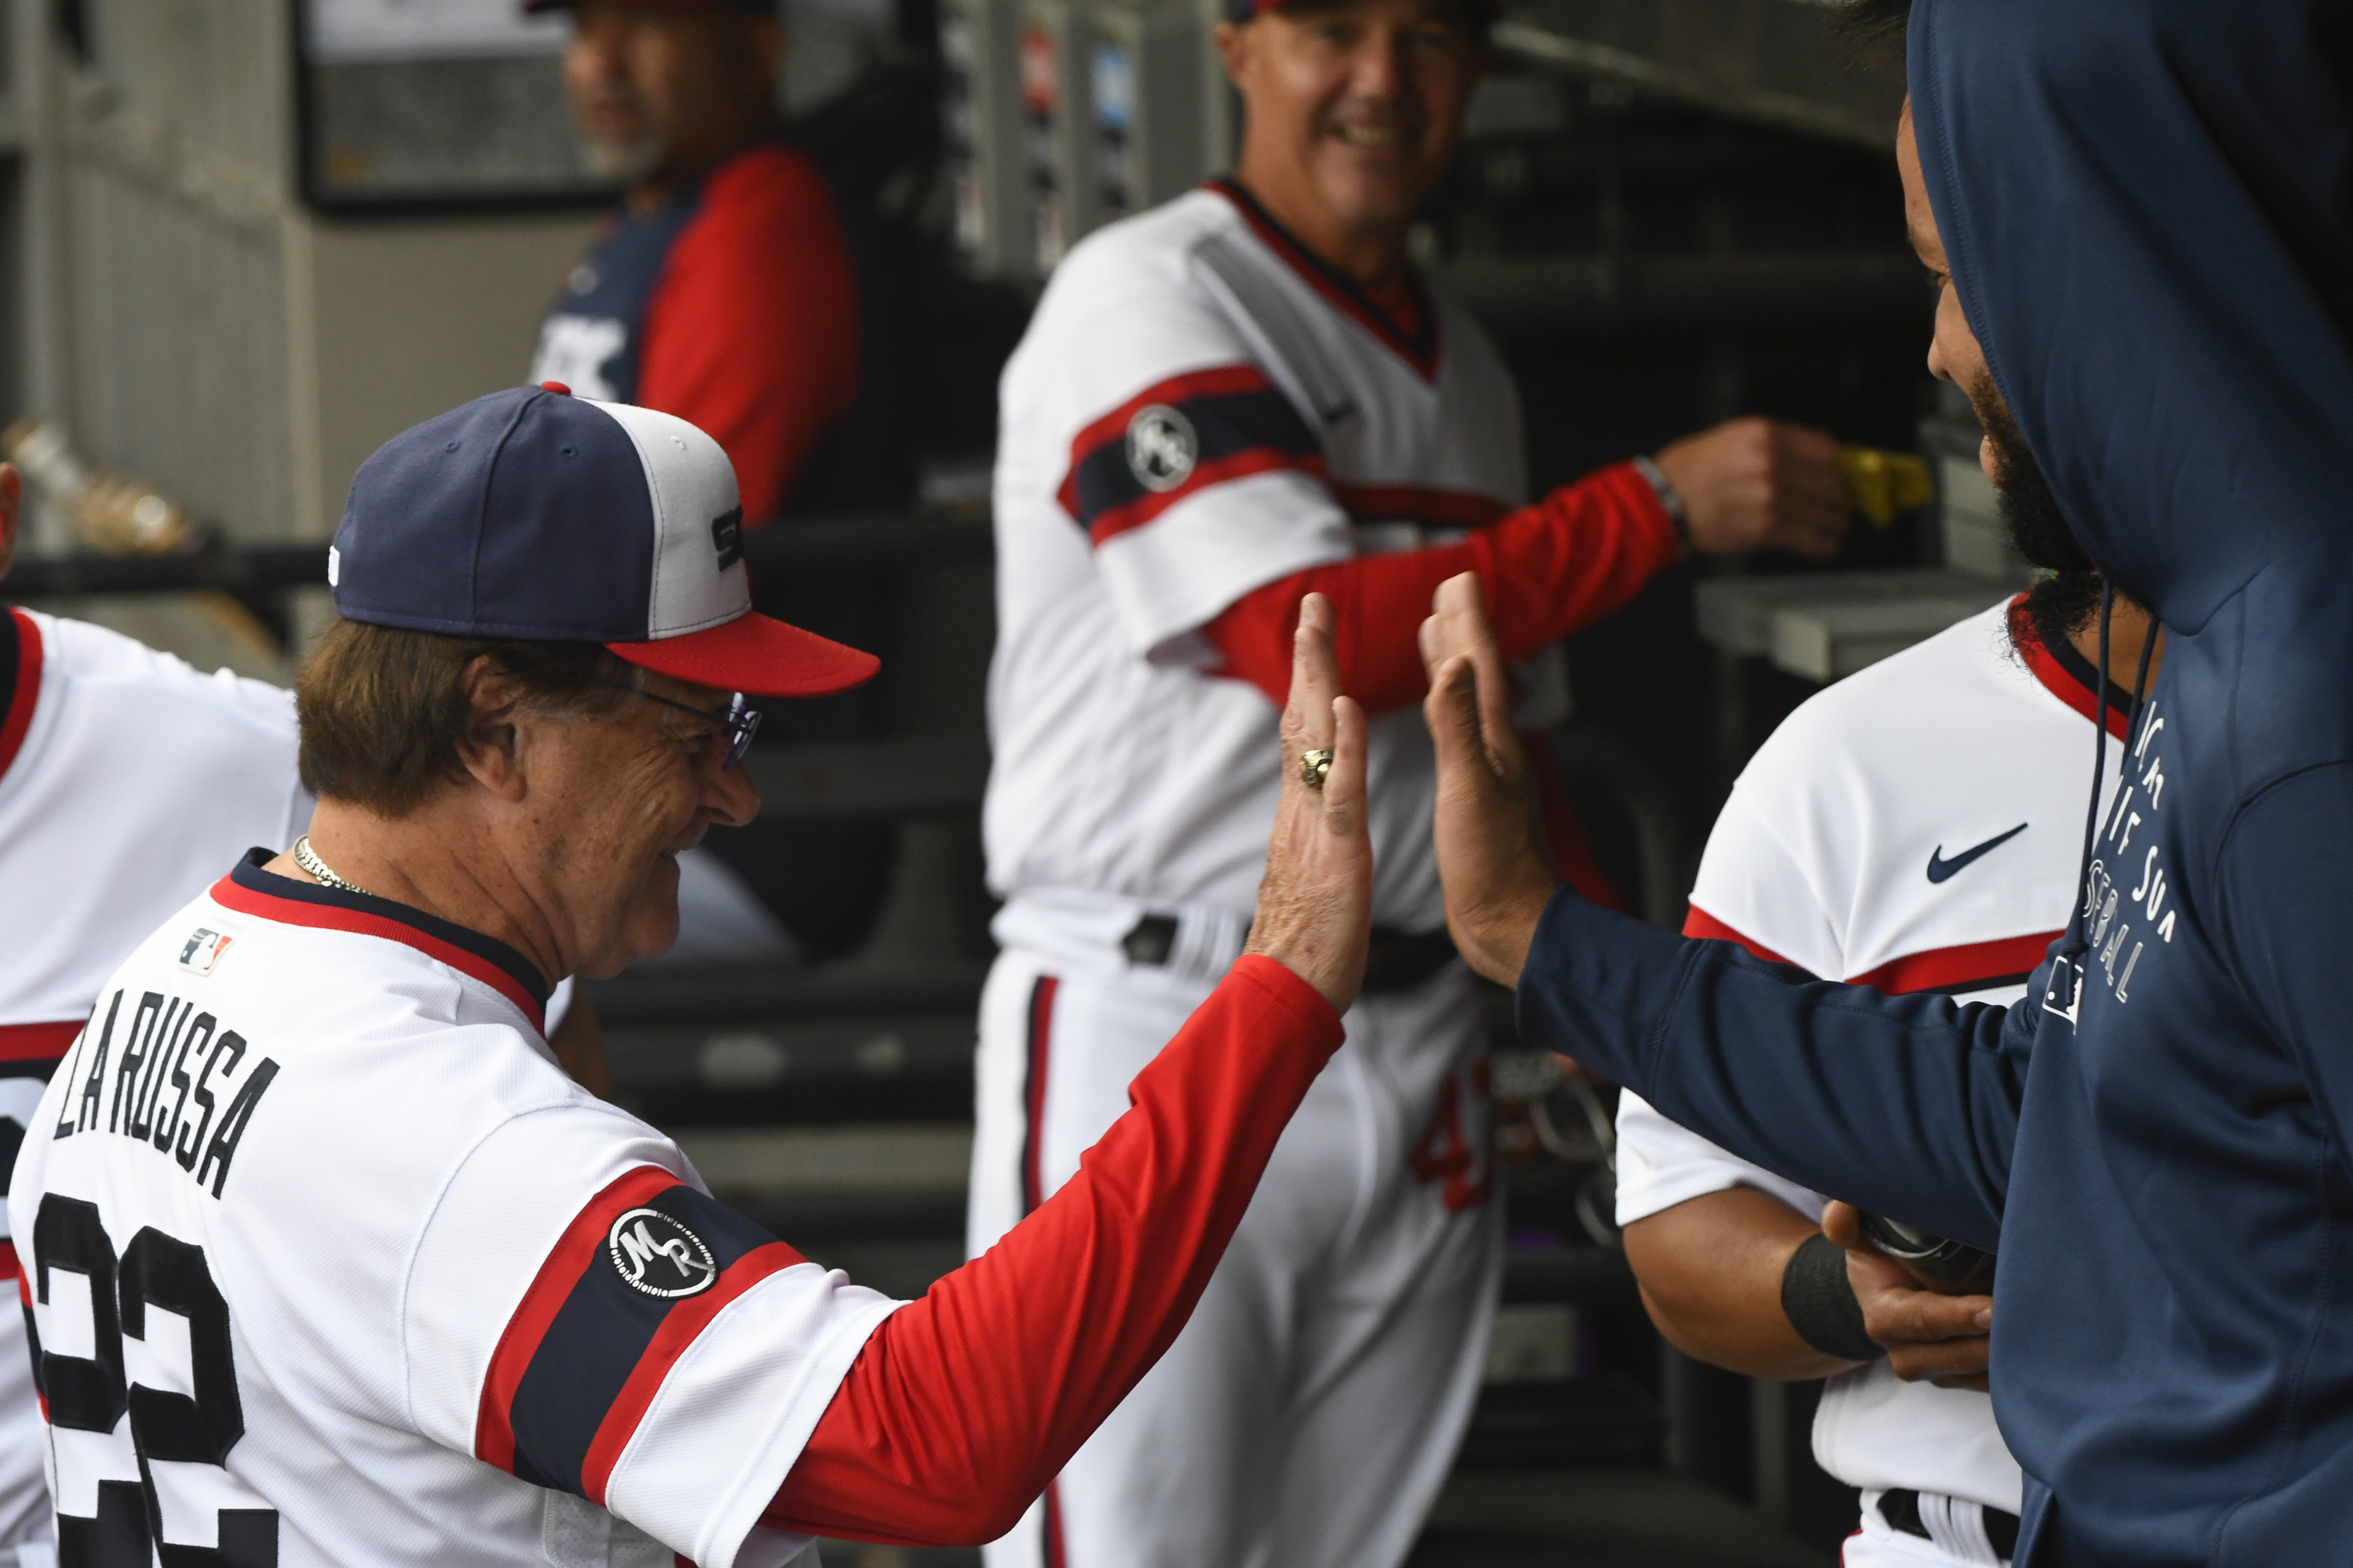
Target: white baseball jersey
(331, 1264)
(127, 779)
(1914, 827)
(1199, 408)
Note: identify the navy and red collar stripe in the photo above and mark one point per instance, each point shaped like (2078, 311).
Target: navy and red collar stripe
(20, 682)
(1418, 348)
(250, 891)
(2066, 674)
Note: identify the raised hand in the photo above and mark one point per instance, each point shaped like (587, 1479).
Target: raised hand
(1314, 907)
(1758, 484)
(1930, 1336)
(1491, 847)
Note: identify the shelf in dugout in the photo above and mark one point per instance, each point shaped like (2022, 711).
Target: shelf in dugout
(1825, 625)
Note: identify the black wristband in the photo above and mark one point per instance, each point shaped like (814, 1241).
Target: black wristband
(1821, 1304)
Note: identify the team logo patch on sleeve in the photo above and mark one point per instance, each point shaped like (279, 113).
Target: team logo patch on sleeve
(1162, 447)
(1178, 437)
(643, 1269)
(658, 1257)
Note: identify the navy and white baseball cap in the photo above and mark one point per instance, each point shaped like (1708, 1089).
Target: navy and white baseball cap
(543, 516)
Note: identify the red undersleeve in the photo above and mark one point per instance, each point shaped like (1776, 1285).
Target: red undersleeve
(1546, 570)
(963, 1404)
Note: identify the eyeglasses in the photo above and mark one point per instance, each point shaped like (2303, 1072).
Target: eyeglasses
(739, 719)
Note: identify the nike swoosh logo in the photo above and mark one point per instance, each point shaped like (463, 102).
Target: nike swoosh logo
(1939, 868)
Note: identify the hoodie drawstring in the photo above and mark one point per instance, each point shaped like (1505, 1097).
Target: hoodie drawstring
(2077, 940)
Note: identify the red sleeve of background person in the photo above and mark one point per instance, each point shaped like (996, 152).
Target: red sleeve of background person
(964, 1404)
(752, 333)
(1546, 570)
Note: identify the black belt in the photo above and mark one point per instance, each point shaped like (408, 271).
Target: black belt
(1397, 961)
(1900, 1507)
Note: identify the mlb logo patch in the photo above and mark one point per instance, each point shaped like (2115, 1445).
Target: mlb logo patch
(205, 948)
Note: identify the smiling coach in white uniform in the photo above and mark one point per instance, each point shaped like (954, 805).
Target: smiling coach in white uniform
(1238, 397)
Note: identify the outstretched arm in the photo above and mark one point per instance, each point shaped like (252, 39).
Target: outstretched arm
(1559, 565)
(963, 1404)
(1550, 568)
(1907, 1104)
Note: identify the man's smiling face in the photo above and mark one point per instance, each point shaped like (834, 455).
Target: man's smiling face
(1955, 354)
(1362, 98)
(616, 797)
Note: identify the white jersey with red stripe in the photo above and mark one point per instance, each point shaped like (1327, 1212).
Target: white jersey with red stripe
(127, 779)
(1914, 828)
(331, 1264)
(1201, 407)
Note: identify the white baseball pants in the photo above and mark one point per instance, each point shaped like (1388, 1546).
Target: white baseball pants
(1958, 1542)
(1308, 1413)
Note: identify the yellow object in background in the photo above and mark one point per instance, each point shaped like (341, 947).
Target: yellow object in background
(1884, 484)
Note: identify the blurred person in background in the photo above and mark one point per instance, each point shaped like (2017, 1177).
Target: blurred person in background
(734, 289)
(1243, 396)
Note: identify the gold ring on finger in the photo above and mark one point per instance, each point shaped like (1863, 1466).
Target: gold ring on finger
(1315, 767)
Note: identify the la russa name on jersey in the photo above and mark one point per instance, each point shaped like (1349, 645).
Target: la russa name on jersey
(159, 1076)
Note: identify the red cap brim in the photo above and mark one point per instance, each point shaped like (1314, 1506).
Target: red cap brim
(757, 655)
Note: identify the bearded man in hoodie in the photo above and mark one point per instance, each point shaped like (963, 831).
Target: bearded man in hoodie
(2139, 214)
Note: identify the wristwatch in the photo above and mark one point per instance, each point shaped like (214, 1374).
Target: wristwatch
(1668, 498)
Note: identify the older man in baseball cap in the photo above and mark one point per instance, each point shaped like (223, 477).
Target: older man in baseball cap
(439, 1303)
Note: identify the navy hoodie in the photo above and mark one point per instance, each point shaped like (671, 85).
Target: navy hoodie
(2148, 208)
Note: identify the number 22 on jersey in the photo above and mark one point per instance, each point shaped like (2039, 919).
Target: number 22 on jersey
(87, 1395)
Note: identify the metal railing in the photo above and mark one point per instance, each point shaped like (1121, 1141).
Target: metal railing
(872, 539)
